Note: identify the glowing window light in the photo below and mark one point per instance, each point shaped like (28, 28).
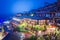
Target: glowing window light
(16, 19)
(51, 28)
(19, 14)
(58, 24)
(7, 22)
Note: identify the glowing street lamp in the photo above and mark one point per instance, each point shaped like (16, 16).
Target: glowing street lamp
(32, 14)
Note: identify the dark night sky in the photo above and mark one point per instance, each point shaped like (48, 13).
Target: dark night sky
(11, 7)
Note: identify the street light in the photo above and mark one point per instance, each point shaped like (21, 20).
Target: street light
(32, 14)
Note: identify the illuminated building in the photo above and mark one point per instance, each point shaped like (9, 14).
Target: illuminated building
(50, 12)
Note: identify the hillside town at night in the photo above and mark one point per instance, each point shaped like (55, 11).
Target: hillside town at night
(38, 24)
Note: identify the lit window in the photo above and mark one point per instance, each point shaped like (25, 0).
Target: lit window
(16, 19)
(7, 22)
(47, 15)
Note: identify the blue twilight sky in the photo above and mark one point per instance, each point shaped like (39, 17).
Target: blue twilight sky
(11, 7)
